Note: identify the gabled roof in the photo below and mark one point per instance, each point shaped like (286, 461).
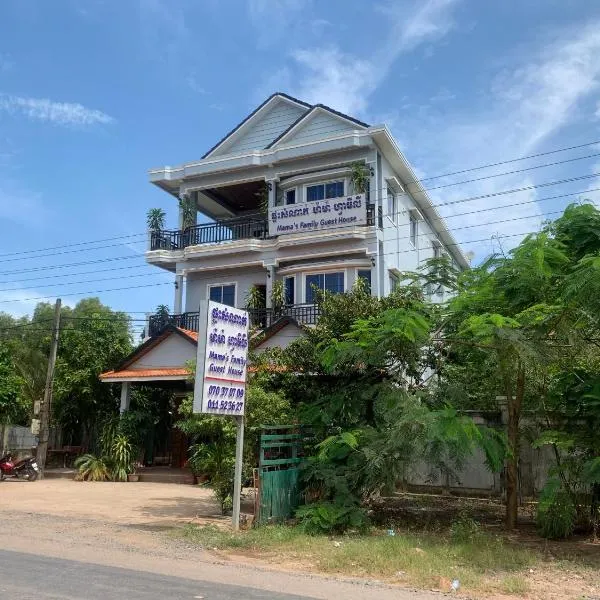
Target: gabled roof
(280, 95)
(307, 115)
(122, 371)
(252, 115)
(266, 334)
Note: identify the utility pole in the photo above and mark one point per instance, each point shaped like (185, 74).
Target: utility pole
(42, 449)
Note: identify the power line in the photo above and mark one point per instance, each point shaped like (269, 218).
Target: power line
(33, 287)
(560, 162)
(133, 287)
(512, 160)
(111, 269)
(77, 264)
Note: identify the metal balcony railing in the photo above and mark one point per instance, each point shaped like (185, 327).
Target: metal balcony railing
(188, 320)
(227, 230)
(305, 314)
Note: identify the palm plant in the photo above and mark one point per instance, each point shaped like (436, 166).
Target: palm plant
(359, 177)
(263, 198)
(188, 208)
(122, 457)
(255, 298)
(277, 295)
(92, 468)
(155, 219)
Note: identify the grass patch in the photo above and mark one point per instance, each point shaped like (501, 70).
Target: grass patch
(515, 584)
(421, 559)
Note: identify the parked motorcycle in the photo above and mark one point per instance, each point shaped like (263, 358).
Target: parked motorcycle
(24, 469)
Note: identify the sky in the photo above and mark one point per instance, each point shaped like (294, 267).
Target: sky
(94, 93)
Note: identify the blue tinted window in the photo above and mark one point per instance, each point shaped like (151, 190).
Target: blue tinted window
(290, 197)
(312, 282)
(331, 282)
(289, 289)
(334, 282)
(315, 192)
(224, 294)
(335, 189)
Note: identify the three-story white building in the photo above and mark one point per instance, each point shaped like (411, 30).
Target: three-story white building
(280, 202)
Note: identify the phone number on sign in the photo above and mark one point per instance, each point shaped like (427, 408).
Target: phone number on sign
(218, 393)
(230, 405)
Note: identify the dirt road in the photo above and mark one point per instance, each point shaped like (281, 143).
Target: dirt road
(125, 525)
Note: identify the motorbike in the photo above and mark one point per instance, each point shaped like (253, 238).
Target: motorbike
(24, 469)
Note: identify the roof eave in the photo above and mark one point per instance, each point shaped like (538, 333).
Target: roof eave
(384, 139)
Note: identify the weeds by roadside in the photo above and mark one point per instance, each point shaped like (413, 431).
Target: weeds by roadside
(421, 559)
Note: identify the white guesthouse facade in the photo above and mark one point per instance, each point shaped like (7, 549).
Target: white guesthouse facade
(316, 232)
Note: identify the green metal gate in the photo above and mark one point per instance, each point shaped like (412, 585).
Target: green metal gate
(278, 469)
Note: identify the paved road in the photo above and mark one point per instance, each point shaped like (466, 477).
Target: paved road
(32, 577)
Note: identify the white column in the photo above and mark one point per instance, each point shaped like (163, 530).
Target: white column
(125, 396)
(178, 301)
(269, 289)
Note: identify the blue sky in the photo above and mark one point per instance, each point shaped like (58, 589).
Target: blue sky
(94, 93)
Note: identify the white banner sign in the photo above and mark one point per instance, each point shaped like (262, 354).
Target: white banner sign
(225, 361)
(318, 215)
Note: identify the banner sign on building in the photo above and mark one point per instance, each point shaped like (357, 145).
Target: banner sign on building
(318, 215)
(225, 361)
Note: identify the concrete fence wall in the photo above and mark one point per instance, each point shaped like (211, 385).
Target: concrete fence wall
(476, 479)
(16, 439)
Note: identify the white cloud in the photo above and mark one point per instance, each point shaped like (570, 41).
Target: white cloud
(273, 18)
(345, 81)
(539, 95)
(58, 113)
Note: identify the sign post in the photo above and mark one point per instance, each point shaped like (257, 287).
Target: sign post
(221, 368)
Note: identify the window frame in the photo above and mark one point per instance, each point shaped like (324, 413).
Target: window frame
(343, 180)
(413, 229)
(285, 196)
(209, 286)
(393, 213)
(285, 289)
(324, 274)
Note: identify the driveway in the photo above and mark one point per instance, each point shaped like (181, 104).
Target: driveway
(126, 526)
(126, 503)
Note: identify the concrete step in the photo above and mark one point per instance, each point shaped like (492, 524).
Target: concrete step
(60, 473)
(166, 476)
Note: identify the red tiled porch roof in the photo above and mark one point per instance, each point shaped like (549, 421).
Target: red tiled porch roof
(146, 373)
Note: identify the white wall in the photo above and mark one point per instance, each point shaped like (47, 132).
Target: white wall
(197, 284)
(282, 338)
(174, 352)
(399, 252)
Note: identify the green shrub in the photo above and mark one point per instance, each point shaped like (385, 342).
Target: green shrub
(329, 517)
(93, 468)
(465, 529)
(121, 455)
(556, 513)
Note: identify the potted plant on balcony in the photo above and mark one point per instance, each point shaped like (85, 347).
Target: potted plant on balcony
(188, 208)
(256, 305)
(277, 298)
(155, 220)
(359, 177)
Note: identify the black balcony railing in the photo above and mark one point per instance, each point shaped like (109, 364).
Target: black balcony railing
(305, 314)
(189, 320)
(227, 230)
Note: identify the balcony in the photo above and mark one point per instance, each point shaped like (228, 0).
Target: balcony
(305, 314)
(228, 230)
